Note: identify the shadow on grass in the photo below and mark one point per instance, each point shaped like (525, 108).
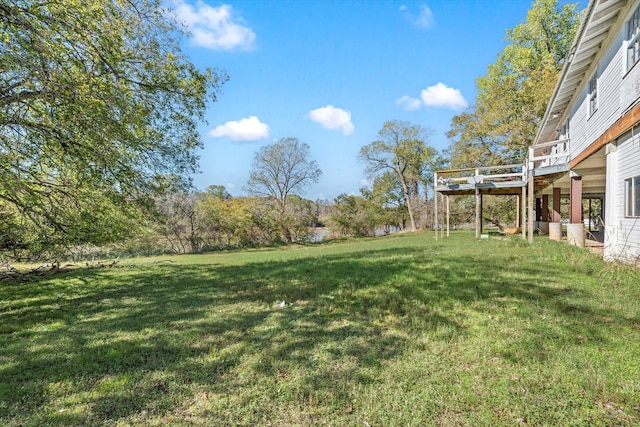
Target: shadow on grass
(103, 346)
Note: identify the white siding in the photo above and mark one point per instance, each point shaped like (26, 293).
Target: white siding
(630, 89)
(586, 129)
(623, 234)
(578, 124)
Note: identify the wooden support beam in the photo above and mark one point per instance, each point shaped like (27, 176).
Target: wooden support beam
(435, 204)
(448, 212)
(556, 205)
(545, 208)
(443, 218)
(523, 210)
(477, 213)
(575, 197)
(531, 213)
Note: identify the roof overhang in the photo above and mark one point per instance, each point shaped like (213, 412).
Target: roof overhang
(600, 17)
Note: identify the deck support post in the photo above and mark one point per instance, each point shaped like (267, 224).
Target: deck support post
(575, 228)
(481, 213)
(531, 214)
(478, 212)
(442, 224)
(545, 208)
(555, 226)
(575, 201)
(448, 216)
(544, 214)
(556, 205)
(435, 203)
(523, 209)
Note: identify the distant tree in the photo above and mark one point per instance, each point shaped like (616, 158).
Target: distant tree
(179, 222)
(401, 148)
(218, 191)
(280, 170)
(387, 197)
(96, 100)
(354, 216)
(226, 222)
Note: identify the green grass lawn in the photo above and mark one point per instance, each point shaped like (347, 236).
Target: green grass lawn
(401, 330)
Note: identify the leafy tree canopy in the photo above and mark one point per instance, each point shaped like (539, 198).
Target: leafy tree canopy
(401, 149)
(513, 95)
(96, 99)
(281, 169)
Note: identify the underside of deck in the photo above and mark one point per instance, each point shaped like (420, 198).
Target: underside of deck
(543, 177)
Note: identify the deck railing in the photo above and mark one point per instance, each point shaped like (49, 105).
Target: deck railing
(479, 175)
(554, 153)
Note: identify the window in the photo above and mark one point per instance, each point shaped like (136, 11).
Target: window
(633, 39)
(593, 94)
(632, 196)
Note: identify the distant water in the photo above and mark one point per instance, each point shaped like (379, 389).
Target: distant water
(319, 233)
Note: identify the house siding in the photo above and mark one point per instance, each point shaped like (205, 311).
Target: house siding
(586, 128)
(618, 92)
(623, 233)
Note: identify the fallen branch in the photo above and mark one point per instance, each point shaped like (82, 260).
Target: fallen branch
(12, 273)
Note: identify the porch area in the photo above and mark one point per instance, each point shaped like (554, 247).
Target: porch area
(546, 173)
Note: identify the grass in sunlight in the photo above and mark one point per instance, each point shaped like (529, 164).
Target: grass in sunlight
(401, 330)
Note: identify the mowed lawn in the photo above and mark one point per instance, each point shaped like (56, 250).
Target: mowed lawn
(401, 330)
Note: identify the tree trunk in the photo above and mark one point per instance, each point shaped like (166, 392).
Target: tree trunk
(407, 200)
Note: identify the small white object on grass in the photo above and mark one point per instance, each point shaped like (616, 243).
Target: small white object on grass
(484, 236)
(281, 303)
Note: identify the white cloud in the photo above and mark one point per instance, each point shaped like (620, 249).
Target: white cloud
(248, 129)
(441, 95)
(409, 104)
(424, 19)
(214, 27)
(333, 118)
(230, 186)
(365, 182)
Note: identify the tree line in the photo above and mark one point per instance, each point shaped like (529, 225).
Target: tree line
(98, 115)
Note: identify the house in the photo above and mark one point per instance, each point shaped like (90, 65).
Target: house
(592, 119)
(587, 148)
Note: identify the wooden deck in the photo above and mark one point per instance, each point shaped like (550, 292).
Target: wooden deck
(544, 164)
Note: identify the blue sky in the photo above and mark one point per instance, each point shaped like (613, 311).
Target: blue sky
(330, 73)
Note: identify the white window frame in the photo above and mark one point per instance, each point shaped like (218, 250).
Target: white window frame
(593, 94)
(633, 39)
(632, 197)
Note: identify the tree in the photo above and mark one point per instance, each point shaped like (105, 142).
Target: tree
(354, 215)
(282, 169)
(95, 97)
(179, 222)
(402, 148)
(218, 191)
(387, 196)
(513, 95)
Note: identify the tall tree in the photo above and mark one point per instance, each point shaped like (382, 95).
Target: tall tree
(401, 148)
(95, 97)
(513, 95)
(282, 169)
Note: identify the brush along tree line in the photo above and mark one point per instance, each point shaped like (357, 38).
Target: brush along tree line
(98, 115)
